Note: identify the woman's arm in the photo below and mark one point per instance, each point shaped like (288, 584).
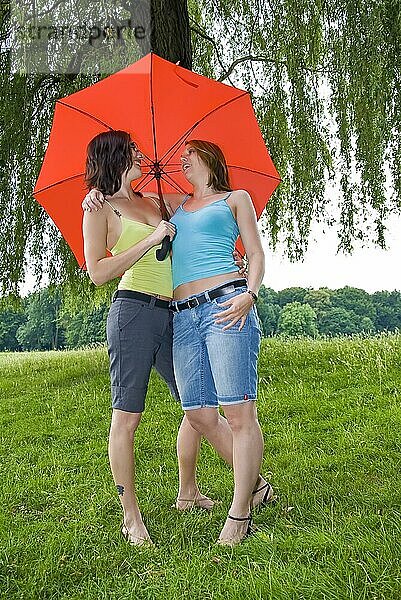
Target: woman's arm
(94, 200)
(240, 305)
(247, 224)
(102, 268)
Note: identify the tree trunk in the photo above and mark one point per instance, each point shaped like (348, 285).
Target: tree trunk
(170, 35)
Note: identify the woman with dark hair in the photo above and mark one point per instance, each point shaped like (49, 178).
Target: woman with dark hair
(139, 324)
(216, 329)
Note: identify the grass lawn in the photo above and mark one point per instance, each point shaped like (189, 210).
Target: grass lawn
(331, 417)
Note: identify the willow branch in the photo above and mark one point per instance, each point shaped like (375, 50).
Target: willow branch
(265, 59)
(195, 28)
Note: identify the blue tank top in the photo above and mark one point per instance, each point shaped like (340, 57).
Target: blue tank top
(204, 243)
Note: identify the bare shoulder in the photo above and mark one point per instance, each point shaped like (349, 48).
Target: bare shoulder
(97, 216)
(152, 197)
(240, 200)
(174, 200)
(240, 195)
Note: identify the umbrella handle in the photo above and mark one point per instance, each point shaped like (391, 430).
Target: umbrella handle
(162, 252)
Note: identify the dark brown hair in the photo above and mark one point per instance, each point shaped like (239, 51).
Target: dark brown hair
(109, 156)
(213, 158)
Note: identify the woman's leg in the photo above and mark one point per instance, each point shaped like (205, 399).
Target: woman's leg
(188, 439)
(188, 444)
(218, 432)
(247, 458)
(215, 428)
(122, 463)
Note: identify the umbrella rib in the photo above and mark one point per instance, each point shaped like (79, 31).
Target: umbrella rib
(58, 183)
(152, 108)
(170, 172)
(144, 181)
(173, 183)
(186, 133)
(278, 178)
(165, 177)
(83, 112)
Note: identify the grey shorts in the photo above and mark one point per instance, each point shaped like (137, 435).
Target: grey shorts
(139, 337)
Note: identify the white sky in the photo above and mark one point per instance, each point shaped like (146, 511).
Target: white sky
(368, 268)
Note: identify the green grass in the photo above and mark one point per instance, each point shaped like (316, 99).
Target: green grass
(331, 416)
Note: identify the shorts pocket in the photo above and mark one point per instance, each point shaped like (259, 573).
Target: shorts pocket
(127, 313)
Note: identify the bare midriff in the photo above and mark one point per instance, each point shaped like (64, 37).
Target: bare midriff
(192, 288)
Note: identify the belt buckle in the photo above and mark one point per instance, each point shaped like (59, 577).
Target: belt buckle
(190, 300)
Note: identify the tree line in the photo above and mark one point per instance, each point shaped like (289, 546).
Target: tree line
(49, 320)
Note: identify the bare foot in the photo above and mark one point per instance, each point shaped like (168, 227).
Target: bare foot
(136, 534)
(235, 530)
(198, 501)
(264, 493)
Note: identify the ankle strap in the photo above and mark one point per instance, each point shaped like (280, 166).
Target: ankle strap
(240, 518)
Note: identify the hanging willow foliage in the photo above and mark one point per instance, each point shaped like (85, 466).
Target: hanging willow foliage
(325, 80)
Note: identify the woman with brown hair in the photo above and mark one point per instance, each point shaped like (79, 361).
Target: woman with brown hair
(139, 324)
(216, 329)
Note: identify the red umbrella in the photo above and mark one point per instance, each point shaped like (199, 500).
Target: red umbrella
(161, 105)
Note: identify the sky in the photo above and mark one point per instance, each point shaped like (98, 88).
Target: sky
(368, 268)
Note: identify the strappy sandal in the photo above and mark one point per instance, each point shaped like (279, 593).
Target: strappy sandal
(248, 532)
(268, 496)
(194, 503)
(133, 540)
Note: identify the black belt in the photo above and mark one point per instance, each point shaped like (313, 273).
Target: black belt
(142, 297)
(207, 296)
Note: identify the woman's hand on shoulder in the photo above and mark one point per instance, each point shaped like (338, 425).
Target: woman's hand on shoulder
(93, 200)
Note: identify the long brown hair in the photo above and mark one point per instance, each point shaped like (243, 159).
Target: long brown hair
(213, 157)
(109, 156)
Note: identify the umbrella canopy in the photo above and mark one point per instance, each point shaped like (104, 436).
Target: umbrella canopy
(161, 105)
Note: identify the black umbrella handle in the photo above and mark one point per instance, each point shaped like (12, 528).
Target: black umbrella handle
(162, 252)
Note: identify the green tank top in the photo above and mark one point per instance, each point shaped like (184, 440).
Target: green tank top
(148, 274)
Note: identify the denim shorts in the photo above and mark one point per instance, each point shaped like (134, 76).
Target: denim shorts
(213, 366)
(139, 337)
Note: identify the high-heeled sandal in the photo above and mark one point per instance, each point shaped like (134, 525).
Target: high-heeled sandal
(268, 496)
(248, 532)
